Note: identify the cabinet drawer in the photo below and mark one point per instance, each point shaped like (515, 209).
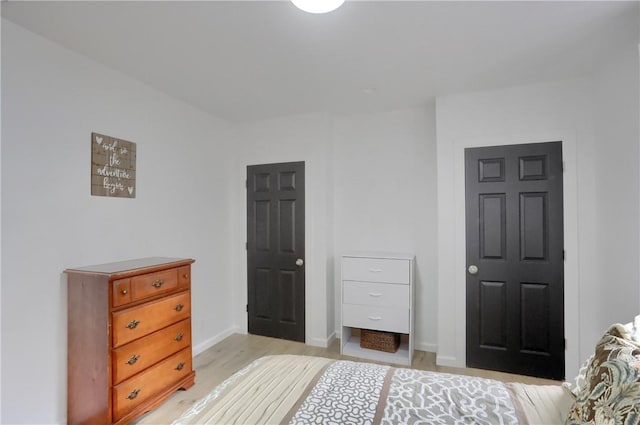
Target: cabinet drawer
(184, 277)
(379, 318)
(145, 385)
(121, 292)
(148, 285)
(377, 294)
(139, 321)
(149, 350)
(375, 270)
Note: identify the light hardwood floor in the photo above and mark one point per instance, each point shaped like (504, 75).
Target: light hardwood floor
(219, 362)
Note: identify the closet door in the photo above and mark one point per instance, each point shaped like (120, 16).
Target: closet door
(515, 265)
(275, 250)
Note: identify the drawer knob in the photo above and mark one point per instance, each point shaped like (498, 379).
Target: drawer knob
(179, 337)
(133, 359)
(158, 283)
(179, 307)
(133, 394)
(186, 275)
(180, 366)
(125, 292)
(133, 324)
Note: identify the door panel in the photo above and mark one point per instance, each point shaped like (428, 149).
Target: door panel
(262, 219)
(535, 309)
(492, 226)
(534, 240)
(493, 319)
(275, 240)
(514, 233)
(288, 296)
(263, 290)
(287, 239)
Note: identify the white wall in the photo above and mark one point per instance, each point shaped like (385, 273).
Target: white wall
(298, 138)
(374, 182)
(385, 199)
(370, 186)
(540, 113)
(616, 106)
(596, 118)
(52, 99)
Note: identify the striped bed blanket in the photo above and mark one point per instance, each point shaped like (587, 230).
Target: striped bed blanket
(290, 389)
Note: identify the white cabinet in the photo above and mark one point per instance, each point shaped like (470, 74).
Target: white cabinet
(377, 294)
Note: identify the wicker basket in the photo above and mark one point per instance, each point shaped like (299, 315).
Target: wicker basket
(378, 340)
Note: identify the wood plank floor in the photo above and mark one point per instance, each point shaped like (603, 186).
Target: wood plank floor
(219, 362)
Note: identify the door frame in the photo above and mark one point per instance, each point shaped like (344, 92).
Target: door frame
(315, 286)
(452, 246)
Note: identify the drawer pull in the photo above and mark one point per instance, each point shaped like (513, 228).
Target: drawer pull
(375, 294)
(374, 317)
(179, 337)
(124, 292)
(186, 275)
(158, 283)
(133, 394)
(375, 270)
(133, 324)
(180, 366)
(133, 359)
(179, 307)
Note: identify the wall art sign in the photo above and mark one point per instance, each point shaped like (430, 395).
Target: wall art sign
(113, 167)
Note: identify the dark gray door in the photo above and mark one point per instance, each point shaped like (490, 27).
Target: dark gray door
(515, 270)
(275, 250)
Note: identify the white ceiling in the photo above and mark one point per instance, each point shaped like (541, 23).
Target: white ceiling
(245, 60)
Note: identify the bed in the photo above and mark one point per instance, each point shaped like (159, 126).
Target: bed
(292, 389)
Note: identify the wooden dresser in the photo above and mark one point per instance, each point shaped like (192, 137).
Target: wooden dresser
(377, 294)
(129, 338)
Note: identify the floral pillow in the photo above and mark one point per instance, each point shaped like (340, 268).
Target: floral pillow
(580, 382)
(612, 392)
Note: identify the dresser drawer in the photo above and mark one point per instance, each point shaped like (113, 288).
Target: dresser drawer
(138, 355)
(148, 285)
(145, 385)
(184, 277)
(121, 292)
(139, 321)
(375, 270)
(376, 294)
(373, 317)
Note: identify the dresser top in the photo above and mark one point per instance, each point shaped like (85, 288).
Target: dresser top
(378, 254)
(124, 266)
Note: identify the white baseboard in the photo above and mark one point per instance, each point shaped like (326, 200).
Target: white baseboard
(321, 342)
(331, 338)
(447, 361)
(205, 345)
(426, 346)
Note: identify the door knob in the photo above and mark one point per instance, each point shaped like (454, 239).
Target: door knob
(299, 262)
(473, 269)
